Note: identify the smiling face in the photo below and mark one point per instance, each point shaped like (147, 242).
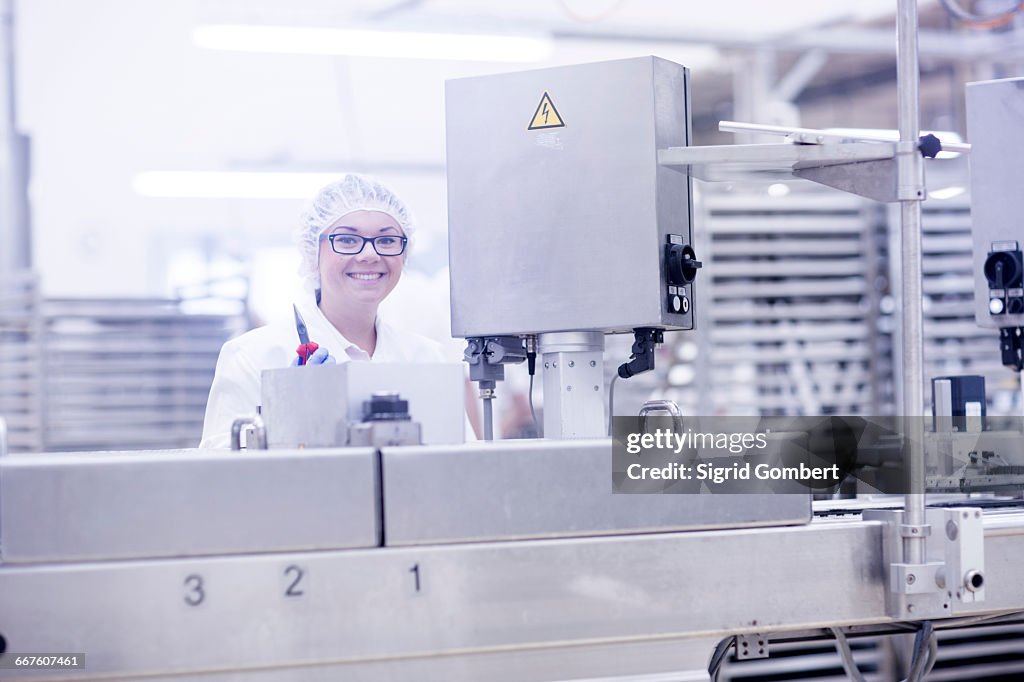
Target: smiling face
(366, 277)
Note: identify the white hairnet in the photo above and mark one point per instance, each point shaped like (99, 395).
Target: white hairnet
(352, 192)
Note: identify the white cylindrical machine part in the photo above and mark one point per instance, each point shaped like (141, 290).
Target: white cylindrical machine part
(573, 364)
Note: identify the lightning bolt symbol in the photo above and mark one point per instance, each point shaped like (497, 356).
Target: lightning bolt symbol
(545, 112)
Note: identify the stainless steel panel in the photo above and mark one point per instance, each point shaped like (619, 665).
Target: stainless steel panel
(313, 406)
(532, 489)
(360, 610)
(362, 605)
(995, 122)
(185, 503)
(565, 228)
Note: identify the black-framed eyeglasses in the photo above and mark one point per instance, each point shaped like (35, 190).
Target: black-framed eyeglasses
(352, 244)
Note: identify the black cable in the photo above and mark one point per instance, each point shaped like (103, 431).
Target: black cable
(718, 657)
(531, 367)
(925, 653)
(611, 402)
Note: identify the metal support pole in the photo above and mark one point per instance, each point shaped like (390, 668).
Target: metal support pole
(15, 250)
(910, 191)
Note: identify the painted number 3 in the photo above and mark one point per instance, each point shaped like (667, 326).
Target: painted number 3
(194, 586)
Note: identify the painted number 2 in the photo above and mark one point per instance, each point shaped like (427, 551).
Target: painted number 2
(296, 574)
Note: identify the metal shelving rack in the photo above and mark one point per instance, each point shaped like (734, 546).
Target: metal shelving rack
(789, 306)
(105, 374)
(21, 362)
(128, 373)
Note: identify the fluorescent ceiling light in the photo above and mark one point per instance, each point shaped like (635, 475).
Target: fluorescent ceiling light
(947, 192)
(230, 185)
(359, 43)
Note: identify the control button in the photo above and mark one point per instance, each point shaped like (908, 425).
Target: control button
(686, 305)
(681, 264)
(995, 306)
(677, 303)
(1015, 306)
(673, 290)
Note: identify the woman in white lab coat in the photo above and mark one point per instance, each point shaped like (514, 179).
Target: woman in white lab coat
(354, 239)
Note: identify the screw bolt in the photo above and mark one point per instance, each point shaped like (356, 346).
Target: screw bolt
(911, 578)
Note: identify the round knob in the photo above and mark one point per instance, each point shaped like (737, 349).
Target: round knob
(682, 264)
(1001, 269)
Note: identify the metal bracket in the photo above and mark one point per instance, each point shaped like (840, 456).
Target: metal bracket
(257, 433)
(871, 179)
(488, 355)
(379, 434)
(913, 592)
(953, 574)
(915, 578)
(751, 646)
(961, 535)
(1011, 345)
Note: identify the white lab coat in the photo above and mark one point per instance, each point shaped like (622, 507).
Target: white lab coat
(236, 384)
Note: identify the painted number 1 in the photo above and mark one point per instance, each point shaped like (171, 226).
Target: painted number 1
(415, 570)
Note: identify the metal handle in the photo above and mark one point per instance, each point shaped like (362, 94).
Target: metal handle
(669, 406)
(258, 439)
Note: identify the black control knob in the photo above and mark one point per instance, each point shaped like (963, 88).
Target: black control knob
(929, 145)
(1003, 269)
(681, 264)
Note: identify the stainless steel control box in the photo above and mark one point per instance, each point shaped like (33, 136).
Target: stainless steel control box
(995, 128)
(560, 218)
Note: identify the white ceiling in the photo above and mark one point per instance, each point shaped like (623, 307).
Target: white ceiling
(110, 88)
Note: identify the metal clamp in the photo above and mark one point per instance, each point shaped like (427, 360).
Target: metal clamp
(749, 647)
(951, 577)
(257, 440)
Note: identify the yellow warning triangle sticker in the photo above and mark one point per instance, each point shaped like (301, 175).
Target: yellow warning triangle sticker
(546, 115)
